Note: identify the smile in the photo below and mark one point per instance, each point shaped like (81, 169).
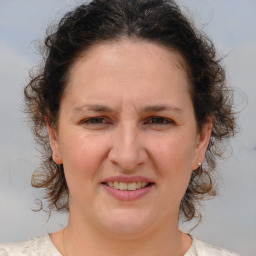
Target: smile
(127, 186)
(127, 190)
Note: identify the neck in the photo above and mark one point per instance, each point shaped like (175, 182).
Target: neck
(82, 239)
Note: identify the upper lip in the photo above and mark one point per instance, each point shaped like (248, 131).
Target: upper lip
(127, 179)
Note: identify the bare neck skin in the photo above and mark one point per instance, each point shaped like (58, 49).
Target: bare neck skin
(83, 239)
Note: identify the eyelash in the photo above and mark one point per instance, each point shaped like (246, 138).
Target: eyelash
(92, 121)
(164, 121)
(154, 120)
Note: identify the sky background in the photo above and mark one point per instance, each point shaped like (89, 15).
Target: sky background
(229, 220)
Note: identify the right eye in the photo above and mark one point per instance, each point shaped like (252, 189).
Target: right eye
(95, 122)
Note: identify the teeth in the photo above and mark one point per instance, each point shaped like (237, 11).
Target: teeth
(116, 185)
(127, 186)
(132, 186)
(122, 186)
(138, 184)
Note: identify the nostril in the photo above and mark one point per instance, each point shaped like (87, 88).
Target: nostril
(127, 156)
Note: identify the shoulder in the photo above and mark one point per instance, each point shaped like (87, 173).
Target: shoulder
(200, 248)
(34, 247)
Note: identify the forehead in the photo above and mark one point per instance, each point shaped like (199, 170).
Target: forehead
(135, 68)
(114, 53)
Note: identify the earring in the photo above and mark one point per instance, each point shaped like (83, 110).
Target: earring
(199, 167)
(57, 155)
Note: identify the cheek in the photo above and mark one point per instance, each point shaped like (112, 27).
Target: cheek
(173, 158)
(175, 152)
(82, 158)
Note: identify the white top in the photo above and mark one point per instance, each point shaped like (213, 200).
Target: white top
(43, 246)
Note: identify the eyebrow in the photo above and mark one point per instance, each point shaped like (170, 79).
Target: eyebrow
(159, 108)
(104, 108)
(94, 108)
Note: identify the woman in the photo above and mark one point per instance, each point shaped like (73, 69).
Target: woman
(130, 102)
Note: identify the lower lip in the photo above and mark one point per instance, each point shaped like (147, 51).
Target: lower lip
(126, 194)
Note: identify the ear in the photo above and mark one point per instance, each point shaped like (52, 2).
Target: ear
(202, 143)
(54, 144)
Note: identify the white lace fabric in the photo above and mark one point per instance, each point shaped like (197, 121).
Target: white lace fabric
(43, 246)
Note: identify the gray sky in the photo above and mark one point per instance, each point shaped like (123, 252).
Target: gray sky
(230, 219)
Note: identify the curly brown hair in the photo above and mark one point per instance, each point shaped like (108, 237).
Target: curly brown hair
(157, 21)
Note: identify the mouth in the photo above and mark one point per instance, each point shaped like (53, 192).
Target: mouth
(131, 186)
(128, 188)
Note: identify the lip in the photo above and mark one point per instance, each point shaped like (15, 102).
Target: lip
(127, 179)
(127, 195)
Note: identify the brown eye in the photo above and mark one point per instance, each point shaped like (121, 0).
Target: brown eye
(159, 121)
(94, 120)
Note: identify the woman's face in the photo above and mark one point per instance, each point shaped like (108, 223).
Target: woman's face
(127, 137)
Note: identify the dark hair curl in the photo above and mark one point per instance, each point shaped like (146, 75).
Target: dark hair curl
(157, 21)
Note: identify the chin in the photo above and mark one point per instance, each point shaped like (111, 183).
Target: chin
(128, 222)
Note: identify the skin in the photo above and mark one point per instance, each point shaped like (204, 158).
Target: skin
(126, 139)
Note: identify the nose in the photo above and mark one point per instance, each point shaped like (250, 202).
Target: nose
(127, 149)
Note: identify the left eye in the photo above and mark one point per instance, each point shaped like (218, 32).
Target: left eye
(159, 121)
